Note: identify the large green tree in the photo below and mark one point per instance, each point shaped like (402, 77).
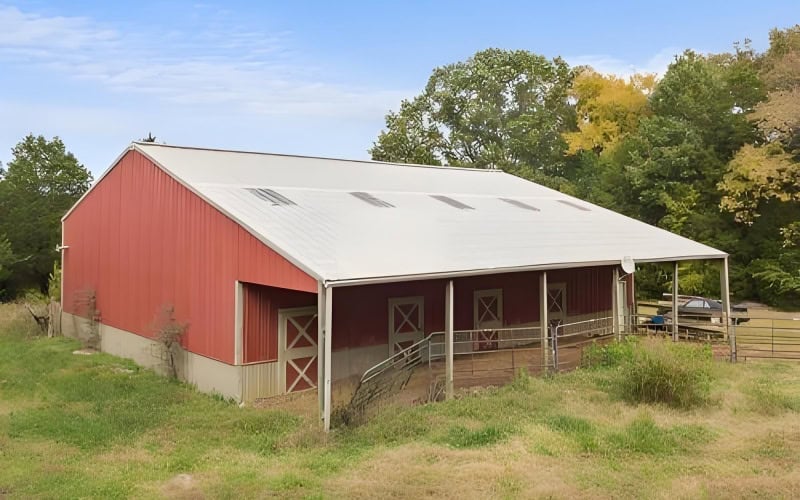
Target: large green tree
(761, 186)
(37, 187)
(714, 95)
(666, 170)
(498, 109)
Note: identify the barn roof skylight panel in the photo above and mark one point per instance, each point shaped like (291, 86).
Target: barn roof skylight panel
(520, 204)
(452, 202)
(574, 205)
(271, 196)
(371, 199)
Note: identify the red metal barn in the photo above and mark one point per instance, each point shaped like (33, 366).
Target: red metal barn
(259, 253)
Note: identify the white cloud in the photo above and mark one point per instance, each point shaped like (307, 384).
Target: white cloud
(28, 30)
(606, 64)
(218, 64)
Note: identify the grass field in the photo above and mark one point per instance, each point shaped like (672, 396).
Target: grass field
(98, 426)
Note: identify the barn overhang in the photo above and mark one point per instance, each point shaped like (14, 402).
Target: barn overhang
(484, 272)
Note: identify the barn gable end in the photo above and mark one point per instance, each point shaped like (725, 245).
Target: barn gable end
(140, 241)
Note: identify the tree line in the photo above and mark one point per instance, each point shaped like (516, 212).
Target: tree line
(710, 150)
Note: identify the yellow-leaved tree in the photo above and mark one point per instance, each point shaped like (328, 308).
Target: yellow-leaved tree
(608, 108)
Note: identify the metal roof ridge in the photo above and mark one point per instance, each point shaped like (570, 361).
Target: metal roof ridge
(328, 158)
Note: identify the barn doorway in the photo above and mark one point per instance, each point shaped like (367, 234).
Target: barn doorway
(406, 322)
(487, 311)
(298, 348)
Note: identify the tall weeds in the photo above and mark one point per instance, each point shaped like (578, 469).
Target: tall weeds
(656, 371)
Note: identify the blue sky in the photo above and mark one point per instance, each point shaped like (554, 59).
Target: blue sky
(310, 78)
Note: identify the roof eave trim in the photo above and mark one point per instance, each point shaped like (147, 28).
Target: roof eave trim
(505, 270)
(254, 233)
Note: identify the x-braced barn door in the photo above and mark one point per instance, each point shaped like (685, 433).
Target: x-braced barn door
(406, 322)
(488, 317)
(556, 305)
(297, 353)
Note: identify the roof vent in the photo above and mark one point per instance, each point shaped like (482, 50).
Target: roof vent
(452, 202)
(520, 204)
(574, 205)
(272, 197)
(372, 200)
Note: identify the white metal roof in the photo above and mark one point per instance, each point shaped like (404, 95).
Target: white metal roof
(338, 237)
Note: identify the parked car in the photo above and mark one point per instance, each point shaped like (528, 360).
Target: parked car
(695, 308)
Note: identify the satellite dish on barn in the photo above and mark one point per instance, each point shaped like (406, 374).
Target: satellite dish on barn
(628, 266)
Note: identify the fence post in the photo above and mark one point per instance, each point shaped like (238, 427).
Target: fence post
(555, 348)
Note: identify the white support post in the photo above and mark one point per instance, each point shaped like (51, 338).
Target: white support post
(725, 295)
(448, 339)
(321, 349)
(675, 302)
(238, 324)
(543, 321)
(615, 303)
(326, 413)
(633, 312)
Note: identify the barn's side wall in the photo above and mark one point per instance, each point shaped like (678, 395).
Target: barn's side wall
(140, 241)
(361, 313)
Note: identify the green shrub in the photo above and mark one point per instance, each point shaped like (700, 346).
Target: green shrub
(660, 371)
(609, 355)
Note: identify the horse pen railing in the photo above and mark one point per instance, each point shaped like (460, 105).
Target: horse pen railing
(494, 356)
(569, 340)
(488, 353)
(768, 335)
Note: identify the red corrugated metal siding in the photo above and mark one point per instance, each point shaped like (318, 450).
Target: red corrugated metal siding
(260, 322)
(141, 241)
(588, 289)
(520, 298)
(361, 314)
